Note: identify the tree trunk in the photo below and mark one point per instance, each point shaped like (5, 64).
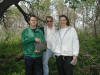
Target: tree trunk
(83, 20)
(74, 18)
(95, 29)
(22, 11)
(5, 5)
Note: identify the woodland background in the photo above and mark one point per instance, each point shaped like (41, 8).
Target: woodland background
(84, 15)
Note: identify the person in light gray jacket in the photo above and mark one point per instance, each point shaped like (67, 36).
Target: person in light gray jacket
(66, 47)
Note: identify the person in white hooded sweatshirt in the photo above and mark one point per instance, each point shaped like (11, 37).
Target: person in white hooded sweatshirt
(66, 47)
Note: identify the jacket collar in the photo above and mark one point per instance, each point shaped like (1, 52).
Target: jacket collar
(37, 29)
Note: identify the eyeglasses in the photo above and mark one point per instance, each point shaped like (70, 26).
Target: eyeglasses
(49, 21)
(62, 20)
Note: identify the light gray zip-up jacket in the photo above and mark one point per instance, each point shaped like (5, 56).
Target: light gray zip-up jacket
(69, 45)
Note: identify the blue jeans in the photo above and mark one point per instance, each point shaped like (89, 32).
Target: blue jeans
(33, 65)
(46, 56)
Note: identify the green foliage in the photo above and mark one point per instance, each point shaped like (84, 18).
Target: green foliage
(73, 3)
(88, 56)
(12, 17)
(76, 3)
(8, 52)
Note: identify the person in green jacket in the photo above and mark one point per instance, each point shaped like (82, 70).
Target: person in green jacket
(33, 58)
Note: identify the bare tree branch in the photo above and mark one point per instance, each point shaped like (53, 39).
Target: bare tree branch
(22, 11)
(5, 5)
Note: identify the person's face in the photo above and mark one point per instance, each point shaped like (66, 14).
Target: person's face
(49, 21)
(62, 21)
(33, 21)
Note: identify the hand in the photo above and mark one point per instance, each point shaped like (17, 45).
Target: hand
(74, 61)
(36, 51)
(37, 40)
(74, 57)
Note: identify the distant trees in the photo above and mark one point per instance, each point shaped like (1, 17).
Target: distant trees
(82, 12)
(85, 12)
(38, 8)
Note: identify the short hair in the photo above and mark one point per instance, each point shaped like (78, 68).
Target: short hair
(49, 17)
(68, 23)
(31, 16)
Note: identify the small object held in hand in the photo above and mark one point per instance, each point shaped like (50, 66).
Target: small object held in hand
(37, 40)
(40, 45)
(73, 62)
(36, 51)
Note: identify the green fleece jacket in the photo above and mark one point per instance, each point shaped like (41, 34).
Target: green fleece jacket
(28, 40)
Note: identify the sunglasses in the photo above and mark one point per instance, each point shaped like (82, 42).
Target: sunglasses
(49, 21)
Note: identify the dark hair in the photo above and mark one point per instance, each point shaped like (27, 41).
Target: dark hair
(68, 23)
(31, 16)
(49, 17)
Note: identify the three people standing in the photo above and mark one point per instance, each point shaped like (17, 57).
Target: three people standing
(64, 44)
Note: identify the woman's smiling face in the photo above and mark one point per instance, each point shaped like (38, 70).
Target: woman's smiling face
(63, 21)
